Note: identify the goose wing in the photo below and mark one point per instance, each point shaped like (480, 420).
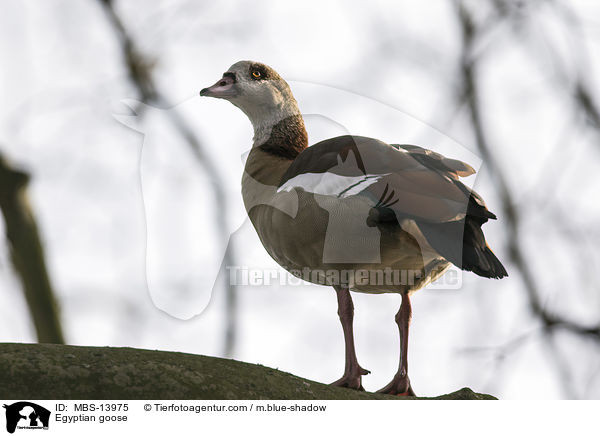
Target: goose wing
(402, 182)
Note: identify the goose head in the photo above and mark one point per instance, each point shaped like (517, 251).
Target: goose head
(258, 90)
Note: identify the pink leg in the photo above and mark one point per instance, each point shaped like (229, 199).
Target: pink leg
(353, 371)
(400, 384)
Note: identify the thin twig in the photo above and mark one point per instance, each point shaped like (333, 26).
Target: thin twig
(510, 213)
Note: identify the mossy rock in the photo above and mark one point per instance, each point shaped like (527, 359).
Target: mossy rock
(65, 372)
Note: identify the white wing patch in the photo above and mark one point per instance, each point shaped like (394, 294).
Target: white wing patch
(330, 184)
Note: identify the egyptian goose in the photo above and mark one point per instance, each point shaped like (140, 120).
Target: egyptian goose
(353, 212)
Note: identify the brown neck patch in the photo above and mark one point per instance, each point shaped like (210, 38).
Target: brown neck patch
(288, 138)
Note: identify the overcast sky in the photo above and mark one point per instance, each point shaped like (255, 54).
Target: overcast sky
(127, 215)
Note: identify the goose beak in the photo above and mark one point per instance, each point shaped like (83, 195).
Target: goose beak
(224, 88)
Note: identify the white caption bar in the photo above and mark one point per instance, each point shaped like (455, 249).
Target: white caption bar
(298, 417)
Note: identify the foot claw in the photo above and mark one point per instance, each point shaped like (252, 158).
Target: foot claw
(399, 386)
(352, 379)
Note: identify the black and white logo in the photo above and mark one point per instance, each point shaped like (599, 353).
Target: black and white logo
(26, 415)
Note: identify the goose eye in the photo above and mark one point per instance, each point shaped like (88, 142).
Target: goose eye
(256, 74)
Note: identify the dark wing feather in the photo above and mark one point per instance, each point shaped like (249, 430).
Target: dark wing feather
(451, 167)
(421, 193)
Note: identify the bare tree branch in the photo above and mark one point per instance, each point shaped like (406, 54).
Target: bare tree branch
(510, 216)
(27, 254)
